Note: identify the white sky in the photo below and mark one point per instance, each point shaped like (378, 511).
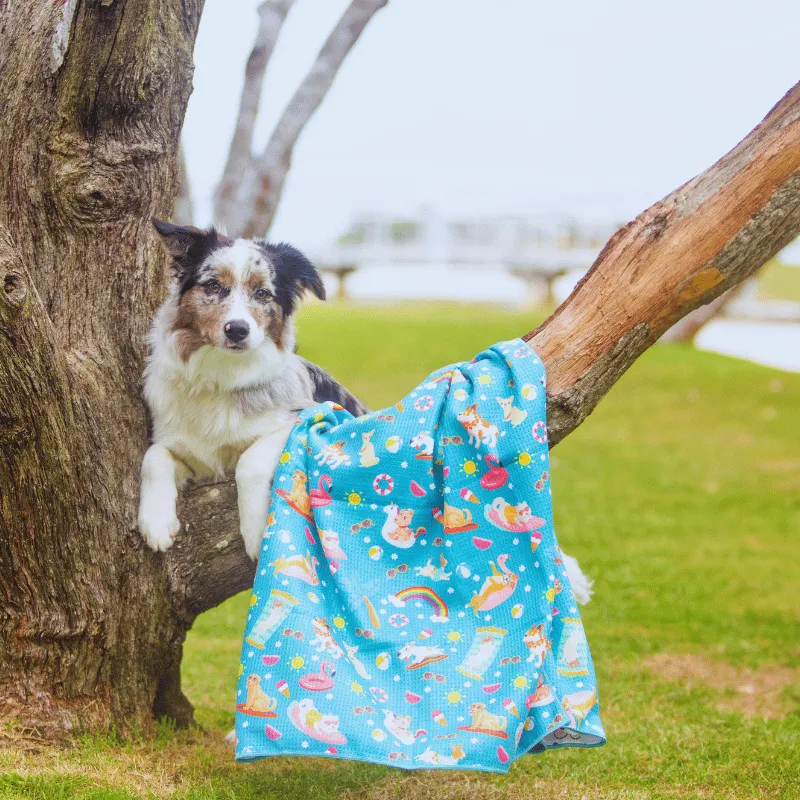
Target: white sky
(593, 109)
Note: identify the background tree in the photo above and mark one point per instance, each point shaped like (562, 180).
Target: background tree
(251, 186)
(92, 623)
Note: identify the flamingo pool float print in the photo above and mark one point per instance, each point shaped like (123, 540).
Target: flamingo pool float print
(321, 495)
(498, 587)
(319, 681)
(497, 476)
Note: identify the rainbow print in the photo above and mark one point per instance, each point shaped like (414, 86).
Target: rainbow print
(424, 593)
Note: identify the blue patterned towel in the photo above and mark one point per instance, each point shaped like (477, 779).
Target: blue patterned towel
(411, 606)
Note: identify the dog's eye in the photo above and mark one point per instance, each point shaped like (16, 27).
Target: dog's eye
(212, 287)
(261, 294)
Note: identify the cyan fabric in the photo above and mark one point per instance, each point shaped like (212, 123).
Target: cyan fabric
(411, 606)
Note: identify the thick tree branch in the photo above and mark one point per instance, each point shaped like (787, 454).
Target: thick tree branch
(272, 15)
(704, 238)
(209, 563)
(684, 251)
(262, 188)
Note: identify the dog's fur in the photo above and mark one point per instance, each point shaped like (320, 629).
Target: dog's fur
(221, 401)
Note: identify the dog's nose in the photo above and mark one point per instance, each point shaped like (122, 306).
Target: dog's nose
(236, 330)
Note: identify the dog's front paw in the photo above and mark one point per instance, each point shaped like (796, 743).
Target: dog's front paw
(253, 535)
(158, 530)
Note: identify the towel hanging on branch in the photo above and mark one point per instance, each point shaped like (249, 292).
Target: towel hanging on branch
(411, 605)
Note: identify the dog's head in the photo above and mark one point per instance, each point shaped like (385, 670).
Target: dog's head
(234, 295)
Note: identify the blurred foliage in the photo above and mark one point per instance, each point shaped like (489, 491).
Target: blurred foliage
(777, 281)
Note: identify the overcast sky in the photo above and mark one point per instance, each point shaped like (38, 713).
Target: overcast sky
(498, 106)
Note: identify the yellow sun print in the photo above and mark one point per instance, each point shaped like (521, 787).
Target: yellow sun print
(524, 458)
(469, 467)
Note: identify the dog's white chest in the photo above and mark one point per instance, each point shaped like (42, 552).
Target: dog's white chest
(209, 430)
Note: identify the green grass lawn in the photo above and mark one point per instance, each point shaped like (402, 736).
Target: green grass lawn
(680, 495)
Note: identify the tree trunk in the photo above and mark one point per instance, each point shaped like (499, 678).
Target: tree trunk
(94, 93)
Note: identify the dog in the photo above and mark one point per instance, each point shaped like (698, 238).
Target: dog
(223, 382)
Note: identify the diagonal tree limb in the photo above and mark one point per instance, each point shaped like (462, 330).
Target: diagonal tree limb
(272, 14)
(261, 191)
(704, 238)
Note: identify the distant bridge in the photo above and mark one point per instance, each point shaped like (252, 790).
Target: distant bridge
(536, 250)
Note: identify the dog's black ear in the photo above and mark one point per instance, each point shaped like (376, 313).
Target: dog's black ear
(294, 274)
(187, 245)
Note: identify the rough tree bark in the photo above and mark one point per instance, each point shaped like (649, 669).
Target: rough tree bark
(262, 185)
(93, 94)
(91, 622)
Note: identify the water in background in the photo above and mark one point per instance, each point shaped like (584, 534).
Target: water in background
(770, 343)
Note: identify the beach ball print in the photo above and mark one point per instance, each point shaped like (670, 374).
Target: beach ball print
(383, 660)
(393, 444)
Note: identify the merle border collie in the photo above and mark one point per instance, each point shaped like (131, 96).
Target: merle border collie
(223, 381)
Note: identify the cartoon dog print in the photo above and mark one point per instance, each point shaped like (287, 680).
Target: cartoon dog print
(400, 727)
(367, 457)
(417, 655)
(333, 455)
(480, 430)
(538, 644)
(323, 639)
(516, 416)
(396, 530)
(423, 444)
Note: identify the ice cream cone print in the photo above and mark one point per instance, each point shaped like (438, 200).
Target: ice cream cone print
(469, 495)
(510, 706)
(283, 688)
(439, 717)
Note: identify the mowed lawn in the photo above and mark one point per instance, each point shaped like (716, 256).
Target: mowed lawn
(681, 497)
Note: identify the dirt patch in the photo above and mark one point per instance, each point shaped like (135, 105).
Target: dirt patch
(474, 786)
(754, 692)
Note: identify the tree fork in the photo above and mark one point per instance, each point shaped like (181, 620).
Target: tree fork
(92, 623)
